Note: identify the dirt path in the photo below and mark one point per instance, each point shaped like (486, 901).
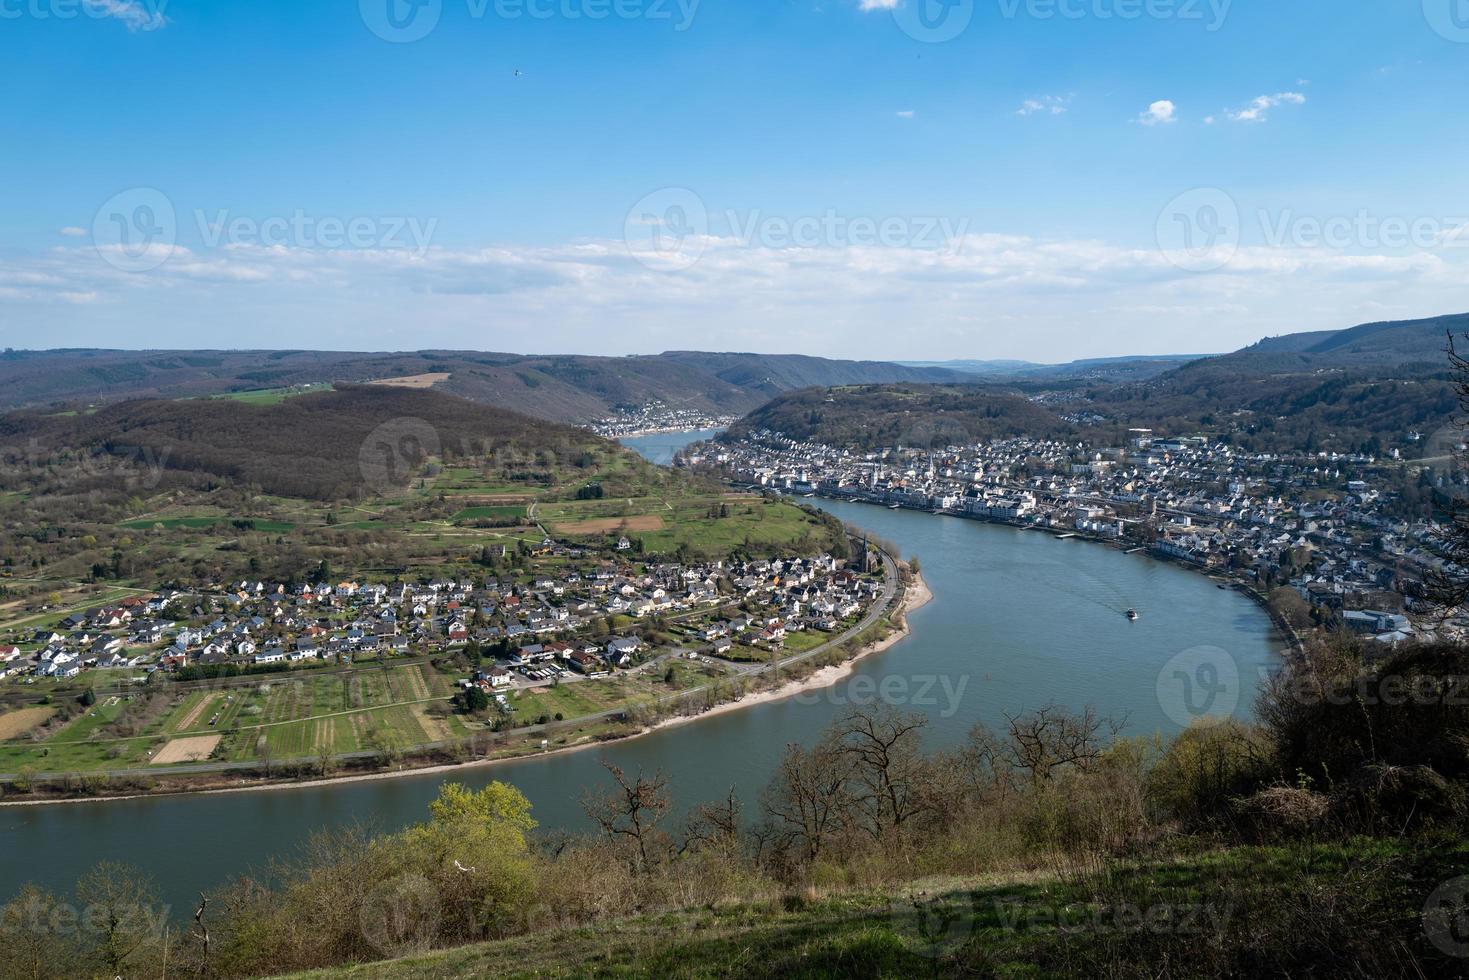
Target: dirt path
(194, 715)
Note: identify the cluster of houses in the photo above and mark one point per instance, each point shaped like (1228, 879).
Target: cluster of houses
(582, 618)
(1323, 523)
(658, 417)
(783, 596)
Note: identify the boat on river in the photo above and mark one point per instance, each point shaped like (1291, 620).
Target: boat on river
(1132, 615)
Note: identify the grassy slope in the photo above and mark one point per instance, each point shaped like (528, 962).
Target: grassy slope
(1325, 910)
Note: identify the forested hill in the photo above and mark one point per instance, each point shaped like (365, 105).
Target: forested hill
(1388, 342)
(324, 446)
(921, 416)
(562, 388)
(1361, 389)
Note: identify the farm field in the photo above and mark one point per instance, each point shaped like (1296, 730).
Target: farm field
(186, 750)
(413, 381)
(294, 714)
(573, 700)
(270, 396)
(300, 715)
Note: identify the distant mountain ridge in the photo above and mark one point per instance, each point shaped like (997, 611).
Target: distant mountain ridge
(1384, 341)
(1097, 368)
(579, 388)
(1369, 388)
(1381, 342)
(556, 387)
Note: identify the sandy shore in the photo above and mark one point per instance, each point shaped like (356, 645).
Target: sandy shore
(916, 596)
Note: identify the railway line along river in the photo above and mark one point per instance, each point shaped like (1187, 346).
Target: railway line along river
(1018, 620)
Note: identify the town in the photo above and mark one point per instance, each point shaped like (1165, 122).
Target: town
(254, 670)
(1328, 540)
(658, 417)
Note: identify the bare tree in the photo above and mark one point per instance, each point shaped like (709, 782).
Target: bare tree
(889, 775)
(202, 934)
(30, 946)
(1052, 739)
(632, 813)
(713, 826)
(809, 799)
(120, 904)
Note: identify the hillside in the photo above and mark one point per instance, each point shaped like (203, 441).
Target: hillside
(1219, 914)
(1361, 389)
(562, 388)
(322, 446)
(771, 374)
(1397, 341)
(362, 477)
(923, 416)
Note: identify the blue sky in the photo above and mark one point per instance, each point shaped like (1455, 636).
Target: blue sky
(1061, 178)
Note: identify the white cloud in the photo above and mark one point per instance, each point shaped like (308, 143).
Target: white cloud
(905, 113)
(138, 15)
(1010, 295)
(1162, 112)
(866, 5)
(1053, 105)
(73, 232)
(1259, 109)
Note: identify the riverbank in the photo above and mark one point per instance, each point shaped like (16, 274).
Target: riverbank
(915, 595)
(1295, 643)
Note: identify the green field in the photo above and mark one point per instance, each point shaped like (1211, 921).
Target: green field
(290, 711)
(573, 700)
(305, 713)
(270, 396)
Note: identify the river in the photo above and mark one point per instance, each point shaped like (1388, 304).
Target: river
(1019, 620)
